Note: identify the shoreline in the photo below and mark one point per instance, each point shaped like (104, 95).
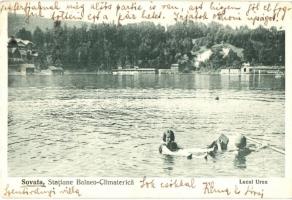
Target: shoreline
(92, 73)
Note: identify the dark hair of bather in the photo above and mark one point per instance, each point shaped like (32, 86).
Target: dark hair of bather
(170, 133)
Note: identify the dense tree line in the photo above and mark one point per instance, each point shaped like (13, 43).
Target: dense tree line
(107, 46)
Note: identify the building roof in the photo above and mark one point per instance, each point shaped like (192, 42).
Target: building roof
(19, 41)
(53, 68)
(25, 42)
(12, 42)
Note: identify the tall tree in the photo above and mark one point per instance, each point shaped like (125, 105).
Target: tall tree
(24, 34)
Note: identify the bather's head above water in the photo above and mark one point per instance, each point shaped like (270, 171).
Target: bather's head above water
(240, 141)
(168, 136)
(223, 141)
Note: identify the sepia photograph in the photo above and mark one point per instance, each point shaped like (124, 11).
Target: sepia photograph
(190, 90)
(188, 99)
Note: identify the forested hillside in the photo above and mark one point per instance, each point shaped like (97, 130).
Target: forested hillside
(107, 46)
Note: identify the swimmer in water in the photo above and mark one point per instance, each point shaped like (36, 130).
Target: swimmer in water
(242, 150)
(169, 141)
(219, 145)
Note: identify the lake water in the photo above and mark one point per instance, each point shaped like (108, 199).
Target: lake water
(106, 125)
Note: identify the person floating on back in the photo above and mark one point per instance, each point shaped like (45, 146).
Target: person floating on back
(217, 145)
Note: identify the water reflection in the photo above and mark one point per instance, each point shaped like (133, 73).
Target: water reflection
(239, 161)
(178, 81)
(231, 81)
(168, 163)
(252, 81)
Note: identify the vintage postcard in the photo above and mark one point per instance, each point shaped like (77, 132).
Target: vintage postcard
(145, 99)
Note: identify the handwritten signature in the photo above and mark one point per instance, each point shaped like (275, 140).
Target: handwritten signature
(11, 192)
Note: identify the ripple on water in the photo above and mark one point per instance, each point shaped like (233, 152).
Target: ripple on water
(63, 131)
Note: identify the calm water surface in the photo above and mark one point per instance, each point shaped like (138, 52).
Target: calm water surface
(105, 125)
